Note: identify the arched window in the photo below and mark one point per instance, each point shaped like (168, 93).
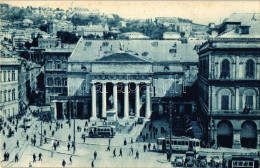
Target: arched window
(225, 69)
(250, 69)
(50, 81)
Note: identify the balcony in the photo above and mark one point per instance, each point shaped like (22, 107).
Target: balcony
(235, 113)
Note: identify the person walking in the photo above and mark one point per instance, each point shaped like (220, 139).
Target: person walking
(5, 156)
(149, 146)
(16, 158)
(92, 163)
(27, 137)
(63, 163)
(69, 137)
(71, 160)
(109, 141)
(34, 158)
(44, 132)
(68, 146)
(50, 127)
(40, 156)
(4, 145)
(125, 143)
(95, 155)
(137, 155)
(108, 148)
(132, 150)
(17, 144)
(114, 153)
(120, 152)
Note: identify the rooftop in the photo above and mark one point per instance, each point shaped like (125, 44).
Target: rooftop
(151, 50)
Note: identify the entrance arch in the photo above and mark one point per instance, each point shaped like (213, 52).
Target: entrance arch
(248, 134)
(225, 134)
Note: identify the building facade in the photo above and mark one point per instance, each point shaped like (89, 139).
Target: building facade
(9, 86)
(229, 84)
(130, 78)
(55, 66)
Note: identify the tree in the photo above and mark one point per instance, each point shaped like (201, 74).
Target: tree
(67, 37)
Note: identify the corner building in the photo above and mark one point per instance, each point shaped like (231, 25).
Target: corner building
(229, 82)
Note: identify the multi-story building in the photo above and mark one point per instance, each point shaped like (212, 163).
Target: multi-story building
(229, 83)
(55, 66)
(133, 35)
(60, 25)
(129, 78)
(9, 86)
(49, 42)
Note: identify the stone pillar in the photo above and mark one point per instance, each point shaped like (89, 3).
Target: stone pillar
(137, 100)
(237, 67)
(104, 100)
(148, 102)
(115, 97)
(237, 98)
(64, 110)
(53, 110)
(126, 102)
(94, 101)
(236, 139)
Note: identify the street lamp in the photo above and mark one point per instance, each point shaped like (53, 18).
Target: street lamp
(170, 122)
(41, 126)
(74, 131)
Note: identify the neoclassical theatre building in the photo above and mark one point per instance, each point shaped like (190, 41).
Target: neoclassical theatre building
(229, 83)
(126, 78)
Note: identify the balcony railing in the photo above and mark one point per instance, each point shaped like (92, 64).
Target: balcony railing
(235, 112)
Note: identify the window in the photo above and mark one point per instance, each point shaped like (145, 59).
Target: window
(5, 96)
(13, 94)
(244, 29)
(9, 95)
(224, 102)
(4, 76)
(0, 76)
(166, 68)
(225, 69)
(250, 69)
(13, 76)
(58, 66)
(57, 82)
(64, 81)
(249, 101)
(49, 81)
(9, 75)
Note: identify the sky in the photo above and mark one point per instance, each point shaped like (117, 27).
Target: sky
(202, 12)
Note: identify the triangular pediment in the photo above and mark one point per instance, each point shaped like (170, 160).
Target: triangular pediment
(121, 57)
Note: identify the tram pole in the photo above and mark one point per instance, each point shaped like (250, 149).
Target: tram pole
(74, 129)
(170, 122)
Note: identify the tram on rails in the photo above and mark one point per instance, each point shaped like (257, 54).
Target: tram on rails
(102, 131)
(178, 143)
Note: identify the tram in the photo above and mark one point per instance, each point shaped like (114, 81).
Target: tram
(178, 143)
(243, 161)
(102, 131)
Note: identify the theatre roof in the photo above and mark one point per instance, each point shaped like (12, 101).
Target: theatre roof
(149, 50)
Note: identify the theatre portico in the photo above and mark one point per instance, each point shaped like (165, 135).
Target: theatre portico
(121, 77)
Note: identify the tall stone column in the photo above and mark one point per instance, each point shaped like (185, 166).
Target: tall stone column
(104, 100)
(115, 97)
(137, 100)
(126, 102)
(94, 101)
(64, 110)
(148, 102)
